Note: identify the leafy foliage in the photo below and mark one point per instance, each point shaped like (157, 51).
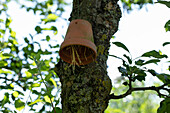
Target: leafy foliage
(25, 67)
(133, 70)
(128, 4)
(164, 106)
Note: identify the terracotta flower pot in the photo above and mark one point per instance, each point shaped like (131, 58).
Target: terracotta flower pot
(78, 46)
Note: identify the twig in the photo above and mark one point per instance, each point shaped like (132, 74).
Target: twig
(130, 90)
(39, 71)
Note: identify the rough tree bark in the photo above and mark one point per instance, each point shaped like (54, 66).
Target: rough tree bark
(86, 89)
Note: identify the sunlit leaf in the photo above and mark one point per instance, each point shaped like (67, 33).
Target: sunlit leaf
(13, 34)
(1, 20)
(113, 37)
(36, 101)
(11, 85)
(5, 71)
(19, 105)
(5, 55)
(15, 94)
(53, 81)
(34, 64)
(8, 22)
(52, 17)
(47, 99)
(28, 74)
(36, 85)
(2, 31)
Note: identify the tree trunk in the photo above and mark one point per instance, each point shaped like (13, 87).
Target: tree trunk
(86, 89)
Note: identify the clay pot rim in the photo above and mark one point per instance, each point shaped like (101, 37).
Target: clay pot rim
(78, 41)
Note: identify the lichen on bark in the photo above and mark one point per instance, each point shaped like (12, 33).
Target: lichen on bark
(86, 89)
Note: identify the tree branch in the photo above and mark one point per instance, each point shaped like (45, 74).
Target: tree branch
(130, 90)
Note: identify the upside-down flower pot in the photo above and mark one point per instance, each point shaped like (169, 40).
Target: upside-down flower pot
(78, 47)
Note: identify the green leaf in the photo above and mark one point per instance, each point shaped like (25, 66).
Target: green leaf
(1, 20)
(53, 28)
(167, 26)
(140, 73)
(19, 105)
(28, 74)
(47, 99)
(113, 37)
(3, 63)
(37, 56)
(48, 38)
(167, 3)
(165, 78)
(6, 71)
(33, 71)
(36, 85)
(48, 77)
(119, 44)
(166, 43)
(139, 78)
(54, 83)
(26, 40)
(57, 46)
(52, 17)
(155, 54)
(13, 34)
(139, 62)
(142, 62)
(5, 100)
(36, 101)
(15, 94)
(128, 58)
(38, 29)
(123, 71)
(58, 110)
(164, 106)
(155, 61)
(8, 22)
(6, 55)
(153, 72)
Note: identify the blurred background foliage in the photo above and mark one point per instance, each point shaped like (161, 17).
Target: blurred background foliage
(27, 79)
(137, 102)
